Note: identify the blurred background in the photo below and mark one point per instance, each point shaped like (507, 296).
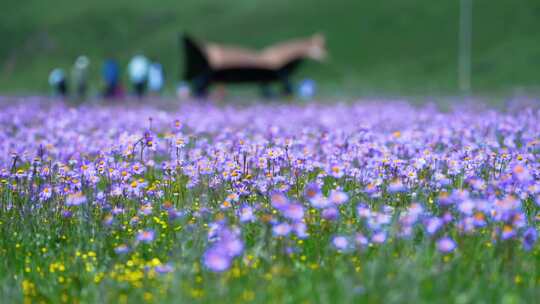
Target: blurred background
(390, 47)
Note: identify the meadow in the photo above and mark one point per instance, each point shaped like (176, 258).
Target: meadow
(364, 202)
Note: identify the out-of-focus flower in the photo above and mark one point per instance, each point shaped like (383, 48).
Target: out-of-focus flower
(121, 249)
(146, 236)
(396, 186)
(226, 245)
(45, 194)
(300, 229)
(507, 232)
(521, 173)
(294, 212)
(361, 240)
(340, 242)
(216, 261)
(331, 214)
(312, 190)
(529, 238)
(378, 237)
(433, 225)
(281, 229)
(446, 245)
(279, 200)
(75, 199)
(336, 171)
(246, 214)
(466, 207)
(338, 197)
(165, 268)
(319, 201)
(363, 211)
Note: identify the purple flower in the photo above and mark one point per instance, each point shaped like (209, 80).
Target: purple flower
(330, 214)
(396, 186)
(338, 197)
(121, 249)
(166, 268)
(378, 237)
(146, 236)
(433, 225)
(281, 229)
(320, 202)
(294, 212)
(75, 199)
(447, 217)
(446, 245)
(231, 246)
(529, 238)
(246, 214)
(108, 220)
(279, 200)
(300, 229)
(226, 245)
(479, 219)
(522, 173)
(508, 232)
(336, 171)
(466, 207)
(340, 242)
(175, 214)
(148, 139)
(45, 194)
(216, 261)
(137, 168)
(363, 211)
(312, 190)
(361, 240)
(117, 210)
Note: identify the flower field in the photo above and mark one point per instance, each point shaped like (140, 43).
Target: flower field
(269, 203)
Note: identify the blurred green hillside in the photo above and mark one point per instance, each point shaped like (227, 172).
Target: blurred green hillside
(392, 46)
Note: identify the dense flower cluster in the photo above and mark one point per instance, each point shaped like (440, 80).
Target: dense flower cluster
(265, 179)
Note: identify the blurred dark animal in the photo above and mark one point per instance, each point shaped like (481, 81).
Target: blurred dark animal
(207, 63)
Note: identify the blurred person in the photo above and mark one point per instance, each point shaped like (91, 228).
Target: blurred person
(307, 89)
(183, 90)
(79, 76)
(58, 82)
(138, 74)
(111, 77)
(156, 77)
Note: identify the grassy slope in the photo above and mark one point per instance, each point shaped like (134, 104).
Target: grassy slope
(393, 46)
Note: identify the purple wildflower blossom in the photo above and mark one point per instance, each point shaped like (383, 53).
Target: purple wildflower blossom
(165, 268)
(281, 229)
(121, 249)
(146, 236)
(216, 261)
(340, 242)
(294, 212)
(446, 245)
(331, 214)
(529, 238)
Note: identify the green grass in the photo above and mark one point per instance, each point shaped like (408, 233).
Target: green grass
(391, 47)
